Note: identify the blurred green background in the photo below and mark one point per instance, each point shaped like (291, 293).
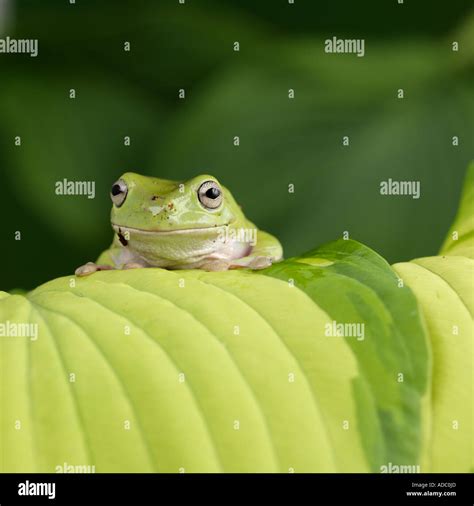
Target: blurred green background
(229, 94)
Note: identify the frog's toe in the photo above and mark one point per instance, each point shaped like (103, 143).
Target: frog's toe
(90, 268)
(133, 265)
(85, 270)
(260, 263)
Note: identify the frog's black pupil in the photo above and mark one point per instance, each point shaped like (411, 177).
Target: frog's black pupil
(116, 190)
(213, 193)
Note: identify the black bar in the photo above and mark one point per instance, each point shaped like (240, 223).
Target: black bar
(294, 489)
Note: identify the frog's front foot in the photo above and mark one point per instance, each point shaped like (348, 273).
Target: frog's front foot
(90, 268)
(133, 265)
(215, 265)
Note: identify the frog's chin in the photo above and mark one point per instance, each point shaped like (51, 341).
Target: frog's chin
(177, 248)
(142, 231)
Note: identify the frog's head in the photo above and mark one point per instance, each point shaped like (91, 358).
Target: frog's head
(150, 204)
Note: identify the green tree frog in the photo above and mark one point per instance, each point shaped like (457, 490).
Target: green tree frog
(195, 224)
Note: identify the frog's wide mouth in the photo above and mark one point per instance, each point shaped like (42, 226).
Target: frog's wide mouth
(121, 230)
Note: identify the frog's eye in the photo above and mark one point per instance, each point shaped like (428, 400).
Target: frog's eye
(210, 195)
(118, 192)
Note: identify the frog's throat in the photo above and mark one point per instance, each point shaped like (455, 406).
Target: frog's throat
(121, 230)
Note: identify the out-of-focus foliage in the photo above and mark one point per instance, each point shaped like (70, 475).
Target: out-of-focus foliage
(459, 239)
(228, 93)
